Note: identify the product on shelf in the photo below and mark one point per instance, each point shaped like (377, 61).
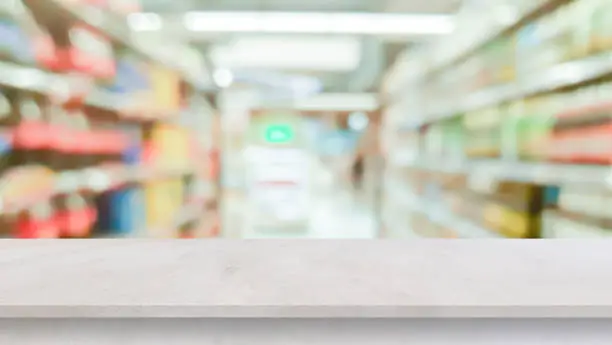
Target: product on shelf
(91, 53)
(164, 200)
(483, 133)
(582, 137)
(566, 225)
(77, 216)
(126, 212)
(23, 40)
(7, 117)
(132, 84)
(37, 222)
(21, 188)
(81, 153)
(586, 202)
(30, 136)
(166, 91)
(61, 138)
(515, 209)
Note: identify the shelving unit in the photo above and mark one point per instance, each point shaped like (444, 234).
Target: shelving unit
(511, 130)
(110, 130)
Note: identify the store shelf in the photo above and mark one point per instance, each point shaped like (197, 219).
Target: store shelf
(560, 76)
(438, 215)
(62, 82)
(48, 83)
(30, 78)
(482, 37)
(117, 29)
(536, 173)
(97, 180)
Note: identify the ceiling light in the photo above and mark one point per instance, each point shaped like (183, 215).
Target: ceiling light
(359, 102)
(223, 78)
(144, 22)
(358, 121)
(305, 53)
(319, 23)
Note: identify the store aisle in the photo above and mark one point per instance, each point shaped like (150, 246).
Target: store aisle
(336, 213)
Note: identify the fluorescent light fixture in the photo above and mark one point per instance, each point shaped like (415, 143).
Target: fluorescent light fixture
(223, 78)
(290, 53)
(145, 21)
(361, 102)
(319, 23)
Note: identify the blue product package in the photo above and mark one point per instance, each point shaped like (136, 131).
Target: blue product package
(129, 77)
(132, 155)
(551, 196)
(127, 205)
(5, 144)
(15, 42)
(127, 211)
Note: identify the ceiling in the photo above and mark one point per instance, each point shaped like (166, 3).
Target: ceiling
(405, 6)
(376, 53)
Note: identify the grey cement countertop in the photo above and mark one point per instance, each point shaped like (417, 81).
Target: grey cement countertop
(305, 278)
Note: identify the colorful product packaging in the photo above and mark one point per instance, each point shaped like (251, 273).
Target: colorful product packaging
(90, 53)
(164, 200)
(166, 91)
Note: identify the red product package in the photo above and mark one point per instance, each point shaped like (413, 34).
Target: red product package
(38, 222)
(61, 139)
(37, 229)
(584, 145)
(91, 53)
(77, 223)
(31, 135)
(83, 142)
(107, 142)
(118, 142)
(47, 53)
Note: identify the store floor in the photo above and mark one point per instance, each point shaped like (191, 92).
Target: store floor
(336, 213)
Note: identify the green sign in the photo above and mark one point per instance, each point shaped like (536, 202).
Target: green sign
(277, 134)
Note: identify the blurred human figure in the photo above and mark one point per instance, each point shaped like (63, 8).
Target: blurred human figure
(357, 172)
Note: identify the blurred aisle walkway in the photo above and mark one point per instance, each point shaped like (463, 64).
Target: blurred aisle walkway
(335, 213)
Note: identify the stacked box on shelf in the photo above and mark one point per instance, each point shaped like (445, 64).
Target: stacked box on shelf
(165, 194)
(527, 126)
(452, 140)
(581, 213)
(567, 226)
(132, 84)
(483, 133)
(22, 40)
(514, 210)
(125, 210)
(552, 123)
(596, 37)
(583, 135)
(167, 151)
(71, 135)
(498, 62)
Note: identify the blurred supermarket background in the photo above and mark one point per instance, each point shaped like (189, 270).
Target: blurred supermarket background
(305, 118)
